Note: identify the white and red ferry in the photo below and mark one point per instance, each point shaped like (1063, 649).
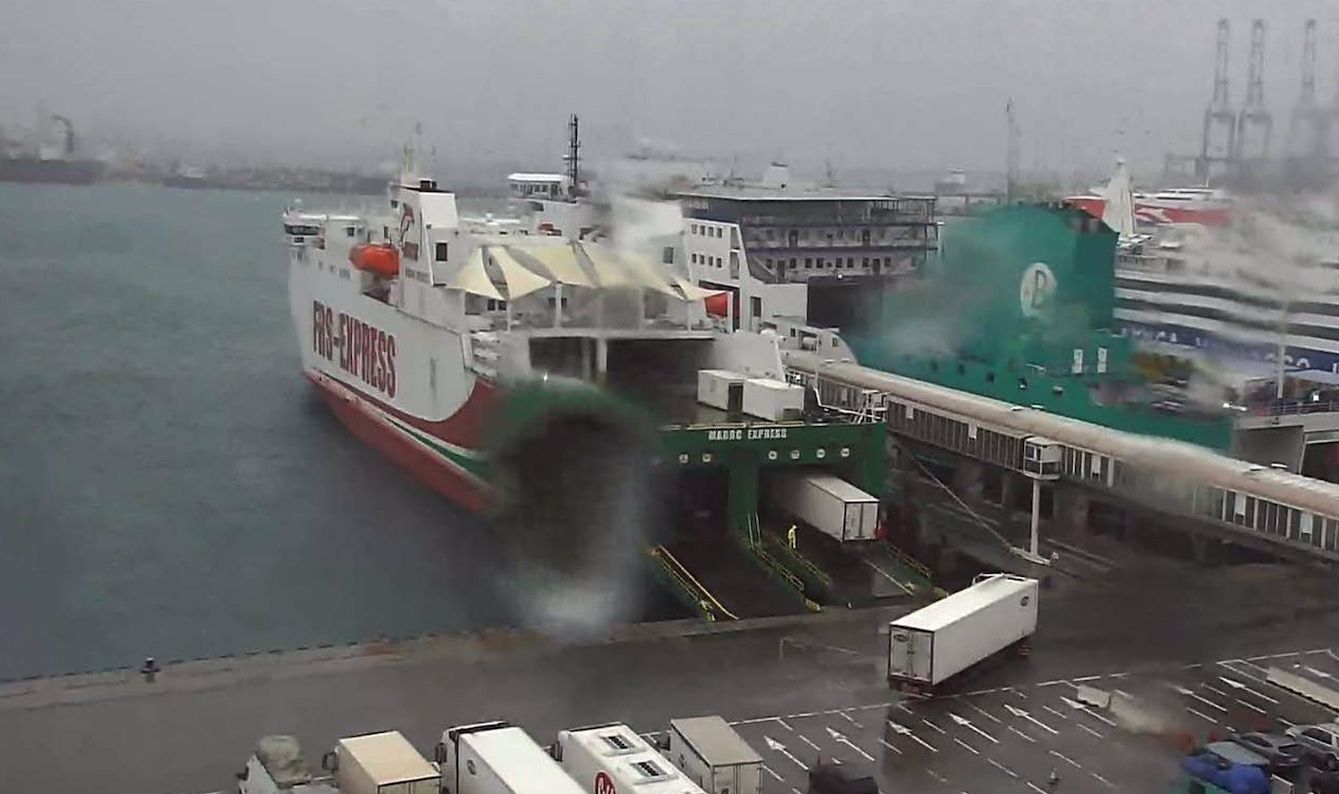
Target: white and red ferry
(1201, 205)
(486, 359)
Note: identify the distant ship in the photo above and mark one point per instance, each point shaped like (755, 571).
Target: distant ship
(188, 177)
(53, 162)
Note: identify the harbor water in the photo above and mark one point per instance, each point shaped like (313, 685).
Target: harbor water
(169, 484)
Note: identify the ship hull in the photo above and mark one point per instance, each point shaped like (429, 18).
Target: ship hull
(52, 172)
(398, 383)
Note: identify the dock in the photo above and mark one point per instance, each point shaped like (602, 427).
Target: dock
(811, 684)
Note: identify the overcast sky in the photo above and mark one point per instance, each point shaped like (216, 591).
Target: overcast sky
(903, 84)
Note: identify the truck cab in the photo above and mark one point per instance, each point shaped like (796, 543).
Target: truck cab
(278, 766)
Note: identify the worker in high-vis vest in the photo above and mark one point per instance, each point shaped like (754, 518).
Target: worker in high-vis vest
(790, 536)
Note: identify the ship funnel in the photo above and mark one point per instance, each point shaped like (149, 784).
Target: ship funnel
(573, 469)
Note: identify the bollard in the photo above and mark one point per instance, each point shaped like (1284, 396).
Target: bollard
(149, 669)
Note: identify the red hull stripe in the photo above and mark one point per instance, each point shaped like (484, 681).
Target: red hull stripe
(464, 428)
(432, 468)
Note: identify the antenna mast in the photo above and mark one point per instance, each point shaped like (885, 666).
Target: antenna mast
(573, 157)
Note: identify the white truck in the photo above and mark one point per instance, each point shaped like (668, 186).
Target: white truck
(773, 400)
(277, 766)
(714, 756)
(613, 759)
(498, 758)
(380, 763)
(827, 503)
(935, 643)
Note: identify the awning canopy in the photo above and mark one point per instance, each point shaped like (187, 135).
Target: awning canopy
(520, 280)
(621, 269)
(693, 292)
(473, 277)
(609, 271)
(561, 263)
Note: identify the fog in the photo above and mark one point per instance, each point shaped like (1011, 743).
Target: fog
(867, 83)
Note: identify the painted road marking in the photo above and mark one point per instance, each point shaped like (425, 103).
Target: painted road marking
(902, 730)
(769, 771)
(778, 747)
(1024, 735)
(1103, 780)
(1083, 727)
(968, 746)
(1239, 685)
(785, 724)
(984, 713)
(936, 775)
(805, 739)
(1017, 712)
(1201, 715)
(1315, 672)
(1006, 770)
(1053, 711)
(1123, 694)
(1066, 759)
(1033, 786)
(840, 739)
(932, 725)
(1215, 690)
(1180, 690)
(963, 721)
(851, 720)
(885, 743)
(1250, 706)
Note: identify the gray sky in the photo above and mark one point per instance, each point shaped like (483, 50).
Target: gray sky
(905, 84)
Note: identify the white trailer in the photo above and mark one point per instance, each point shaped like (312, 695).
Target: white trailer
(773, 400)
(721, 389)
(381, 763)
(827, 503)
(714, 756)
(498, 758)
(935, 643)
(613, 759)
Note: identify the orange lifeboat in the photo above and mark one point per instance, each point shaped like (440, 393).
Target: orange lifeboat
(381, 260)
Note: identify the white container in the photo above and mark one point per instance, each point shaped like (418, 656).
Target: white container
(712, 754)
(827, 503)
(498, 758)
(613, 759)
(773, 400)
(714, 385)
(937, 642)
(382, 763)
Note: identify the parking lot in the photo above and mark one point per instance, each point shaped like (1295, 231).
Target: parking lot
(1011, 739)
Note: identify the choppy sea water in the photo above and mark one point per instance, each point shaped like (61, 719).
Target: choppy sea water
(169, 484)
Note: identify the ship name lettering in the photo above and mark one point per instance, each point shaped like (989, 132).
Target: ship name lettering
(361, 349)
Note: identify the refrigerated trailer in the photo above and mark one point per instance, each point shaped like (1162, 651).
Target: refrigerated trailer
(714, 756)
(827, 503)
(935, 643)
(381, 763)
(613, 759)
(498, 758)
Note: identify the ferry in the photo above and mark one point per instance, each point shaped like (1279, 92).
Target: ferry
(525, 376)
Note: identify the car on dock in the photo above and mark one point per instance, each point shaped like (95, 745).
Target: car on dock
(1284, 753)
(1230, 767)
(1321, 742)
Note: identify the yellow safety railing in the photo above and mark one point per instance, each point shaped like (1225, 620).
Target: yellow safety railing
(710, 605)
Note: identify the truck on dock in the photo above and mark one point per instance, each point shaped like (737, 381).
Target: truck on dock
(277, 765)
(380, 763)
(935, 643)
(612, 759)
(497, 758)
(827, 503)
(714, 756)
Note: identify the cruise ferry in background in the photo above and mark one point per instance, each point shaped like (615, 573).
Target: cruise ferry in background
(1199, 205)
(1187, 287)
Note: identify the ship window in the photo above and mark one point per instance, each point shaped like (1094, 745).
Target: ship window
(441, 252)
(850, 262)
(1022, 384)
(350, 231)
(667, 255)
(990, 377)
(809, 262)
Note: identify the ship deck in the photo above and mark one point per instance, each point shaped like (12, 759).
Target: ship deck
(1189, 647)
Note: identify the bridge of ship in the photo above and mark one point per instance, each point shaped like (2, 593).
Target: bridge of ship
(1280, 513)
